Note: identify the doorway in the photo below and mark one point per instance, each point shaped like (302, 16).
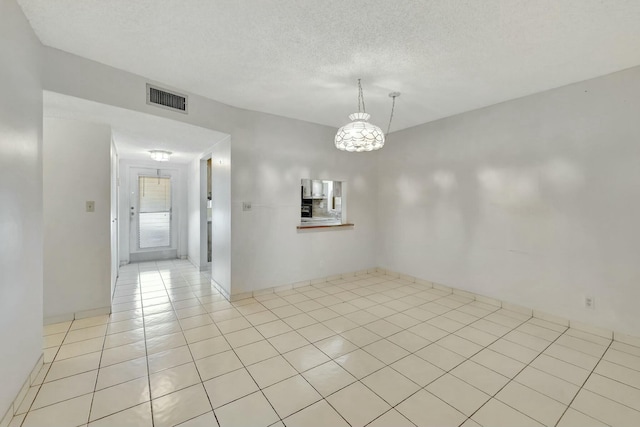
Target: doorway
(209, 213)
(205, 196)
(153, 229)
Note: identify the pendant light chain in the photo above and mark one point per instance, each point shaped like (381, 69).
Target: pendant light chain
(360, 98)
(393, 106)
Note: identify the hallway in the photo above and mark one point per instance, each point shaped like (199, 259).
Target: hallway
(362, 350)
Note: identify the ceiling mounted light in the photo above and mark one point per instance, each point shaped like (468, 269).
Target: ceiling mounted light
(160, 155)
(360, 135)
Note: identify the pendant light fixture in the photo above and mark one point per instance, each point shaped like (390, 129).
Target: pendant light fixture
(160, 155)
(360, 135)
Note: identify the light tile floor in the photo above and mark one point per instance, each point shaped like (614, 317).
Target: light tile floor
(366, 350)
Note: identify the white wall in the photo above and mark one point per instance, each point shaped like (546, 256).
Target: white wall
(20, 202)
(193, 211)
(534, 201)
(77, 244)
(221, 241)
(270, 155)
(179, 209)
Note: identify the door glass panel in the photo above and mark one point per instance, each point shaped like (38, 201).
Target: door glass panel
(154, 212)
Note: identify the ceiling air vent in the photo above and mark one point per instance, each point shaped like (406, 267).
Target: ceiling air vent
(169, 100)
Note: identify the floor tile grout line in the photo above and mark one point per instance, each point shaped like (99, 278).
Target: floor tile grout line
(95, 385)
(144, 339)
(450, 333)
(364, 325)
(576, 350)
(82, 341)
(385, 365)
(44, 378)
(146, 356)
(583, 384)
(389, 365)
(386, 412)
(538, 351)
(274, 356)
(616, 380)
(62, 378)
(518, 373)
(512, 329)
(627, 352)
(270, 385)
(322, 322)
(305, 379)
(440, 376)
(252, 378)
(301, 373)
(466, 358)
(358, 308)
(193, 360)
(198, 370)
(243, 367)
(499, 308)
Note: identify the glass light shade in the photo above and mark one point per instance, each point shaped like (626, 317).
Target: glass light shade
(160, 155)
(359, 135)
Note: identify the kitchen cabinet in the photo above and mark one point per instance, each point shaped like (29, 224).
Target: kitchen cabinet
(337, 189)
(306, 188)
(316, 191)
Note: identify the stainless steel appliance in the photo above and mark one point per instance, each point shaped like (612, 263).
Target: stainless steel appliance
(306, 207)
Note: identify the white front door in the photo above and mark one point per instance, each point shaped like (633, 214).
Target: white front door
(152, 223)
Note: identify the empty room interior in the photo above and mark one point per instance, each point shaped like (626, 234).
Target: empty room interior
(304, 214)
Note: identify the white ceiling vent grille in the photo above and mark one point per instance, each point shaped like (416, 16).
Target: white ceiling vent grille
(165, 99)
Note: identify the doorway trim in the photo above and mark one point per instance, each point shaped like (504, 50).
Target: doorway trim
(136, 253)
(205, 264)
(178, 249)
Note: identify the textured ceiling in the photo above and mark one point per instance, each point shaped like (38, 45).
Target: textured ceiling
(135, 133)
(301, 58)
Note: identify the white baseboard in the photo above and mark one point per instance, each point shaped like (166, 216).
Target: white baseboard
(592, 329)
(77, 315)
(93, 312)
(295, 285)
(159, 255)
(197, 265)
(584, 327)
(222, 290)
(193, 262)
(626, 339)
(50, 320)
(13, 408)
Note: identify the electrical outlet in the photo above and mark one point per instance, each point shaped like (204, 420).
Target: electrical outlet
(589, 302)
(246, 206)
(90, 206)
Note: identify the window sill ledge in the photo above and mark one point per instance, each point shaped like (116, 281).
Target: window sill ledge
(312, 226)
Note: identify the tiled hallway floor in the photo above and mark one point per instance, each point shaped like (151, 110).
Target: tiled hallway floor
(364, 350)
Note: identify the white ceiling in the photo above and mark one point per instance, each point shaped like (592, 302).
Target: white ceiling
(301, 58)
(136, 133)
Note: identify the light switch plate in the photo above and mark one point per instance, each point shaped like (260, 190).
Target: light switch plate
(91, 206)
(246, 206)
